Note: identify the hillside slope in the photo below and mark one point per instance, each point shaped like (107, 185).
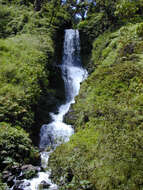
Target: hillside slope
(29, 80)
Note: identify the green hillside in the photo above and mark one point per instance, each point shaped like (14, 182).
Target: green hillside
(27, 74)
(106, 151)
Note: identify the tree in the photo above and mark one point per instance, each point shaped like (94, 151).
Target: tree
(126, 9)
(82, 8)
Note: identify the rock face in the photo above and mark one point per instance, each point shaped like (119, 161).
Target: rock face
(17, 173)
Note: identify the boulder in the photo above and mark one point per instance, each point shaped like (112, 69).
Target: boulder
(44, 184)
(38, 169)
(20, 185)
(6, 175)
(27, 167)
(15, 169)
(10, 180)
(29, 171)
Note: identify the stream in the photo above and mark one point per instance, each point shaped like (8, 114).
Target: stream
(57, 132)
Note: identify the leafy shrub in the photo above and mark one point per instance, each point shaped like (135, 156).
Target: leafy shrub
(140, 30)
(94, 20)
(3, 186)
(15, 147)
(23, 62)
(128, 10)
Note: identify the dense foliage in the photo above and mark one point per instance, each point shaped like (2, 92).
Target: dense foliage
(106, 151)
(27, 76)
(107, 14)
(15, 147)
(21, 71)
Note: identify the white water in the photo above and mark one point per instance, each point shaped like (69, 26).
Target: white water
(57, 131)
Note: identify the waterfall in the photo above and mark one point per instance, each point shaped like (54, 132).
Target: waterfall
(57, 132)
(73, 74)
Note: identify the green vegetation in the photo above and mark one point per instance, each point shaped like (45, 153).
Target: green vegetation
(106, 150)
(15, 147)
(24, 58)
(106, 15)
(22, 69)
(3, 186)
(27, 72)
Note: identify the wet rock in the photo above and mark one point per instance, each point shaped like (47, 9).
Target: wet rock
(27, 167)
(30, 167)
(21, 185)
(15, 169)
(38, 169)
(10, 180)
(19, 188)
(6, 175)
(44, 184)
(17, 184)
(5, 172)
(29, 171)
(26, 184)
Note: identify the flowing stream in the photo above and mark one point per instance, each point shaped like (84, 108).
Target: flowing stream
(57, 132)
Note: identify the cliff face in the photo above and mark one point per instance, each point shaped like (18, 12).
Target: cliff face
(106, 150)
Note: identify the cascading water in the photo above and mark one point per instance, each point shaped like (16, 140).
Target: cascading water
(73, 74)
(57, 131)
